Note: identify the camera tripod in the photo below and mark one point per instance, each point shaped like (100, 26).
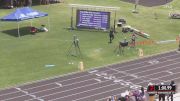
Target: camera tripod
(74, 49)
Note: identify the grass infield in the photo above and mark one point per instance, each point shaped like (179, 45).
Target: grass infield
(24, 59)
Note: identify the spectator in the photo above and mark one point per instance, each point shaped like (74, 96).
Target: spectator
(109, 98)
(142, 91)
(171, 95)
(162, 96)
(122, 97)
(142, 94)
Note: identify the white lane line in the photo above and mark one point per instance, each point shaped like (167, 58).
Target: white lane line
(115, 80)
(154, 61)
(59, 84)
(26, 93)
(169, 72)
(125, 76)
(105, 91)
(65, 86)
(125, 72)
(119, 94)
(97, 80)
(103, 71)
(135, 73)
(168, 53)
(89, 90)
(90, 74)
(93, 71)
(158, 64)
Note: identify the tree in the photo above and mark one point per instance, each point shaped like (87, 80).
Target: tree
(28, 3)
(45, 2)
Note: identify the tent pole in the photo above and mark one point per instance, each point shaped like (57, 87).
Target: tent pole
(31, 22)
(114, 22)
(49, 23)
(49, 19)
(18, 30)
(71, 27)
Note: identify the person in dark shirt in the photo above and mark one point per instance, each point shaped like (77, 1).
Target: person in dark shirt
(111, 35)
(171, 95)
(162, 96)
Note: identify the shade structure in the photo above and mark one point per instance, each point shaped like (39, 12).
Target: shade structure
(21, 14)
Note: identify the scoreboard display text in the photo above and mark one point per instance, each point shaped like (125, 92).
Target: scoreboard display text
(93, 19)
(161, 89)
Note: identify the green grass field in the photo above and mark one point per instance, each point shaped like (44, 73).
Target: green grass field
(24, 59)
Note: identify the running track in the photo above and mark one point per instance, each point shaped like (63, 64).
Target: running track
(99, 83)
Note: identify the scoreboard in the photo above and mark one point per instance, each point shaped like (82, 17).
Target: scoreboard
(93, 19)
(161, 89)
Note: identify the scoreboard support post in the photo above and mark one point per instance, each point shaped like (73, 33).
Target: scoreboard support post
(115, 22)
(71, 26)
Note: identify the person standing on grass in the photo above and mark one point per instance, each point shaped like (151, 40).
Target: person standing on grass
(111, 35)
(133, 40)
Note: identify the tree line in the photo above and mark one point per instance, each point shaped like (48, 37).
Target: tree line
(21, 3)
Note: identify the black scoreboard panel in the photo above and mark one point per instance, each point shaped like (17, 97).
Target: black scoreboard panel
(93, 19)
(158, 89)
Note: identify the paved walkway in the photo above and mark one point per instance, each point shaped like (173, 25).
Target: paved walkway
(149, 3)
